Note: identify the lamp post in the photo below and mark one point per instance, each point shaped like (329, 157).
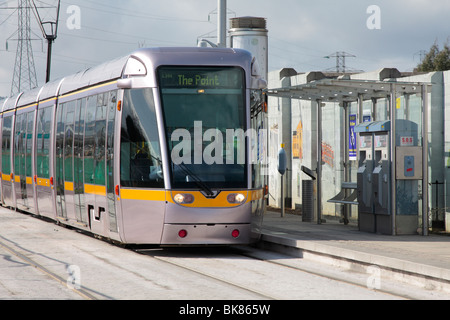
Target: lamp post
(49, 30)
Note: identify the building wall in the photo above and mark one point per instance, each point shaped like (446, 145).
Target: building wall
(446, 93)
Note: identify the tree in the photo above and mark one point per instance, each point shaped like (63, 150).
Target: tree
(436, 60)
(442, 61)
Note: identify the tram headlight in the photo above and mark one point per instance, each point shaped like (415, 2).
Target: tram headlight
(236, 198)
(183, 198)
(179, 198)
(240, 198)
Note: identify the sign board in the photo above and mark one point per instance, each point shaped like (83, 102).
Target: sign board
(406, 141)
(282, 161)
(201, 77)
(352, 137)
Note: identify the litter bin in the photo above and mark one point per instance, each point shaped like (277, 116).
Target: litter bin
(308, 196)
(307, 200)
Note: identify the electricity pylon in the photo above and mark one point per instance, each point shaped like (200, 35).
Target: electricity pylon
(340, 60)
(24, 76)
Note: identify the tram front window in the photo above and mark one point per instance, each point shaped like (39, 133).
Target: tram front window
(204, 113)
(140, 157)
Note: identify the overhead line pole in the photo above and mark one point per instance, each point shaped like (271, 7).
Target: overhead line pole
(222, 23)
(49, 33)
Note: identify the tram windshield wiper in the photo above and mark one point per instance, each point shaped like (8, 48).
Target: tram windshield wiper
(203, 186)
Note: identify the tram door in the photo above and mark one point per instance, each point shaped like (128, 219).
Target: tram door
(43, 147)
(7, 136)
(23, 144)
(64, 182)
(95, 162)
(100, 213)
(110, 134)
(78, 179)
(84, 179)
(59, 163)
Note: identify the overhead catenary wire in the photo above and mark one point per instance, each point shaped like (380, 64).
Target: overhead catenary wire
(132, 13)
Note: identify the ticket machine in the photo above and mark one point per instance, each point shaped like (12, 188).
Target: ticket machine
(381, 172)
(381, 181)
(408, 174)
(375, 173)
(364, 177)
(373, 177)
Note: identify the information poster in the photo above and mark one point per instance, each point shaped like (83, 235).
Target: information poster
(352, 138)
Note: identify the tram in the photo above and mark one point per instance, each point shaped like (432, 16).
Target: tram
(163, 146)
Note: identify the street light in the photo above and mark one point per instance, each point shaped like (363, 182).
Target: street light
(49, 30)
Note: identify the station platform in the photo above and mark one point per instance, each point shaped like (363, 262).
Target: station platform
(424, 260)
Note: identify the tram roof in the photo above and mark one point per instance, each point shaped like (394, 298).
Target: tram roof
(29, 97)
(10, 103)
(108, 71)
(102, 73)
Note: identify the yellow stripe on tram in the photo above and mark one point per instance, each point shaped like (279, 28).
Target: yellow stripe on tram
(68, 186)
(139, 194)
(94, 189)
(43, 182)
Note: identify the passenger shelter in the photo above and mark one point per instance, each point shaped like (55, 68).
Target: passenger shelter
(295, 100)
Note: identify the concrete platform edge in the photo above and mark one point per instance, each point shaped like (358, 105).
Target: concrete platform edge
(396, 265)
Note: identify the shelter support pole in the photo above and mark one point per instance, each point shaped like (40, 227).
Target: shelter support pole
(282, 197)
(347, 173)
(393, 204)
(374, 109)
(360, 108)
(424, 159)
(319, 161)
(407, 113)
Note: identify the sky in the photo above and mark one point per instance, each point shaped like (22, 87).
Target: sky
(378, 33)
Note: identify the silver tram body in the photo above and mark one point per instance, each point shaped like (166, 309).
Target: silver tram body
(95, 150)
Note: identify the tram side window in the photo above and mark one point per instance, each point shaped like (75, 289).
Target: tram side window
(68, 140)
(59, 166)
(78, 158)
(100, 139)
(29, 143)
(258, 146)
(43, 142)
(78, 146)
(89, 140)
(64, 142)
(112, 102)
(19, 142)
(6, 145)
(140, 157)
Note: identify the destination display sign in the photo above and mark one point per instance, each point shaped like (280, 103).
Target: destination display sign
(200, 78)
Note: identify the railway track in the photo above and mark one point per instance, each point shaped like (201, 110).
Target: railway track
(203, 263)
(61, 280)
(311, 268)
(226, 273)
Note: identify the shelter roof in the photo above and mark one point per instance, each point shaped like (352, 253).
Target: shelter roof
(344, 89)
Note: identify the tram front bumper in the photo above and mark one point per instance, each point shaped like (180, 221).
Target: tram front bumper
(205, 234)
